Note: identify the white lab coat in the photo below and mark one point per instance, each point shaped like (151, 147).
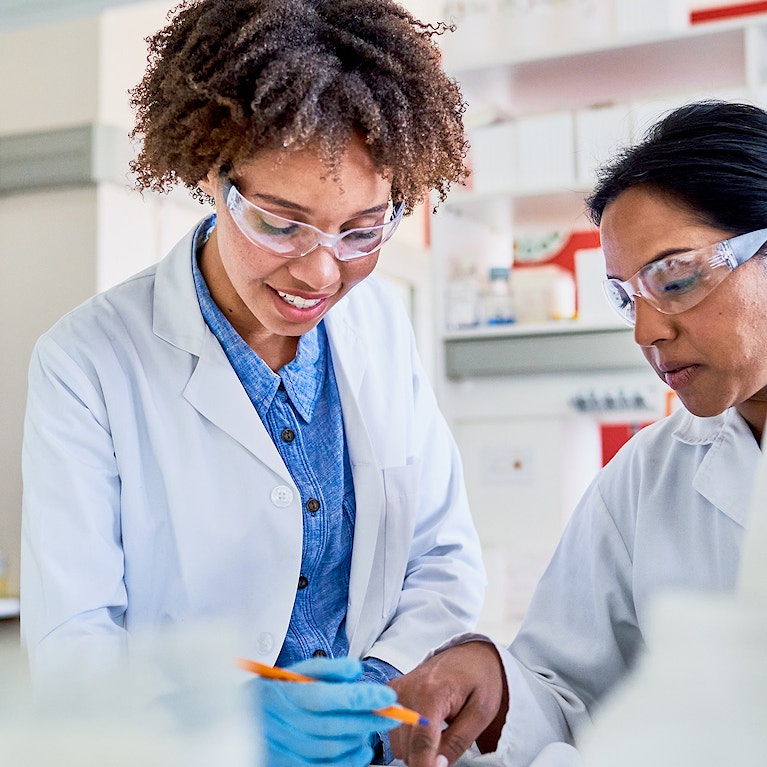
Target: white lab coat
(667, 513)
(697, 699)
(153, 494)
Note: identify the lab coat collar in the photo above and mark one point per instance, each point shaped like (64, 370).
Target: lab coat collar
(350, 359)
(177, 318)
(733, 453)
(213, 388)
(348, 350)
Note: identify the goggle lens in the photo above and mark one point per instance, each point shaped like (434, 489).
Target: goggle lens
(620, 300)
(682, 280)
(294, 239)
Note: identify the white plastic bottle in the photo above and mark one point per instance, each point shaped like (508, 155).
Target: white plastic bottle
(462, 297)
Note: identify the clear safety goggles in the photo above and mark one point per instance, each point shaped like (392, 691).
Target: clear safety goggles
(294, 239)
(680, 281)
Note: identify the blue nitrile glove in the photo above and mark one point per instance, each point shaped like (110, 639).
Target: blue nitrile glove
(324, 722)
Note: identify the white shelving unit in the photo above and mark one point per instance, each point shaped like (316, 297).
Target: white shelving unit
(541, 119)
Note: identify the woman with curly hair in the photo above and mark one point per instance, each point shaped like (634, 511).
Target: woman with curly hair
(236, 433)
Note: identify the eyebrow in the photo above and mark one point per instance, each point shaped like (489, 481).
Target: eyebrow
(663, 254)
(283, 203)
(673, 252)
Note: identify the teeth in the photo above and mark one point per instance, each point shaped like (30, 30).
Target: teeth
(297, 301)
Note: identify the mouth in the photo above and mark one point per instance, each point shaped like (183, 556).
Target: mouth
(672, 367)
(298, 301)
(678, 376)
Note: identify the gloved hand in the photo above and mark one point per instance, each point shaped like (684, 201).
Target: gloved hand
(324, 722)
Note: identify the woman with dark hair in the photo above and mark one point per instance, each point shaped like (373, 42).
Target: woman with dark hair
(244, 432)
(683, 221)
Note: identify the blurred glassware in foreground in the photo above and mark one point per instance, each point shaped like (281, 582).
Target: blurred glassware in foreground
(178, 702)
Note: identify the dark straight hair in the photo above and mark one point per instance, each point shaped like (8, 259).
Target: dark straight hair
(709, 156)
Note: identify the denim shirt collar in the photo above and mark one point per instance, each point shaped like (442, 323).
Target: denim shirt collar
(301, 378)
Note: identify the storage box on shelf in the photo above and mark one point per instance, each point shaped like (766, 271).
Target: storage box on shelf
(547, 104)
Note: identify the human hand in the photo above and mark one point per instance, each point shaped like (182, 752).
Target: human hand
(464, 686)
(329, 721)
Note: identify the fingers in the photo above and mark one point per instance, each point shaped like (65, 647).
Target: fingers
(430, 747)
(306, 744)
(327, 721)
(322, 723)
(418, 746)
(330, 669)
(463, 686)
(276, 756)
(328, 706)
(328, 697)
(458, 737)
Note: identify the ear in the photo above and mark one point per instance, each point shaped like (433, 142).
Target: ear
(209, 184)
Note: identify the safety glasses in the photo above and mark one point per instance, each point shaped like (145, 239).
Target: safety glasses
(680, 281)
(294, 239)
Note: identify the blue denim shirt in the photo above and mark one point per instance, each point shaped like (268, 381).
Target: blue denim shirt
(300, 408)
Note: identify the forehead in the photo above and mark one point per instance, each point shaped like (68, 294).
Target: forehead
(642, 224)
(305, 175)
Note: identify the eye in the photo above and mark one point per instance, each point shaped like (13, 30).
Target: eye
(274, 226)
(362, 235)
(618, 295)
(624, 300)
(677, 276)
(681, 285)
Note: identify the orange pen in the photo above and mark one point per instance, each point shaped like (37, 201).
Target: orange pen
(400, 713)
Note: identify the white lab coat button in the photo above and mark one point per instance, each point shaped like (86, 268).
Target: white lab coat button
(282, 496)
(264, 643)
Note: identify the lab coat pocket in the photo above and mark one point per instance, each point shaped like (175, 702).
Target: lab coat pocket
(401, 489)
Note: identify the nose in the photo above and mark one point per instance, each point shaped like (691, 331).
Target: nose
(651, 326)
(318, 269)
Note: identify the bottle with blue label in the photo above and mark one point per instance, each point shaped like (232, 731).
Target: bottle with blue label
(496, 304)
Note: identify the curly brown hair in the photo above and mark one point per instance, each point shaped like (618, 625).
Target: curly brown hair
(229, 78)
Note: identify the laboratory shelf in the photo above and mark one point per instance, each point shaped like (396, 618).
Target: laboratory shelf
(552, 347)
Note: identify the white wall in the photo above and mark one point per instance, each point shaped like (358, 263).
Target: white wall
(62, 244)
(47, 260)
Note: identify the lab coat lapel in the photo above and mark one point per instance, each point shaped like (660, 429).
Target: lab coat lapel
(216, 392)
(213, 388)
(350, 363)
(733, 453)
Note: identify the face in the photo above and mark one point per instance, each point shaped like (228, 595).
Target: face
(272, 300)
(713, 354)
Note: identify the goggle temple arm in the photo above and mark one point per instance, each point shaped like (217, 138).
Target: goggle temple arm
(741, 249)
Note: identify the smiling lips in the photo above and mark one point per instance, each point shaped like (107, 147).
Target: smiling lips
(297, 301)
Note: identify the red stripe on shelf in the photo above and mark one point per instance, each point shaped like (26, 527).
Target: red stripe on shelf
(726, 12)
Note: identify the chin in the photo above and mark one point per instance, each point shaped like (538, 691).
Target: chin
(702, 409)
